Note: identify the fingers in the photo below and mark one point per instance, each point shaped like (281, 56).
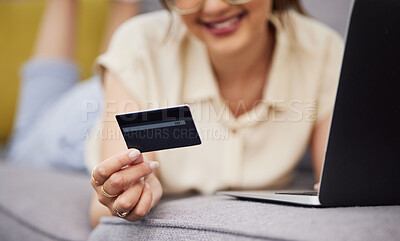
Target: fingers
(119, 183)
(142, 207)
(136, 202)
(128, 199)
(122, 180)
(113, 164)
(316, 186)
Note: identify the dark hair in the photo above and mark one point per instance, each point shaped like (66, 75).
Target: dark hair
(279, 6)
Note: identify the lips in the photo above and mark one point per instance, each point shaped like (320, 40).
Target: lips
(224, 26)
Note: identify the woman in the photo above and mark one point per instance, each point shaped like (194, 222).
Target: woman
(259, 73)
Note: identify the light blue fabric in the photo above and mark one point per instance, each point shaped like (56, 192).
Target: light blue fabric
(55, 115)
(56, 112)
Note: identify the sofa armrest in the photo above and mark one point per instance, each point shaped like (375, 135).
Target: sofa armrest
(225, 218)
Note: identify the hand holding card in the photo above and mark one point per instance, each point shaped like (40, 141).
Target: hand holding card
(159, 129)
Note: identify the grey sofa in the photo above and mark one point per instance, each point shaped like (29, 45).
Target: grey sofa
(47, 204)
(43, 204)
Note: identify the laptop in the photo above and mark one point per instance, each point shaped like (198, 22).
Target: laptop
(362, 159)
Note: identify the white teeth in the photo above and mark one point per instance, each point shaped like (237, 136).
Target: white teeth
(225, 24)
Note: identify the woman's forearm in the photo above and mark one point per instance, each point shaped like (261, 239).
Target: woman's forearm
(97, 210)
(56, 36)
(318, 145)
(119, 12)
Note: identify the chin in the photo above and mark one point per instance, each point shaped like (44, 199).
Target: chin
(224, 50)
(227, 47)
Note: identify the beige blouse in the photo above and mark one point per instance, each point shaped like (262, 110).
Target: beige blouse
(260, 149)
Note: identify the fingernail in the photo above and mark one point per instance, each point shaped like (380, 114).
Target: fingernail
(154, 165)
(147, 185)
(142, 179)
(134, 154)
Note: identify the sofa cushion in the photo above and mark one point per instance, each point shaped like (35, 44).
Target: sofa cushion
(225, 218)
(43, 204)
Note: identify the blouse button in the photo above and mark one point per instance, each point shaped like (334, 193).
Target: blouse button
(234, 130)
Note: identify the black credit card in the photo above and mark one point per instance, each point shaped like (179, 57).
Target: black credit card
(159, 129)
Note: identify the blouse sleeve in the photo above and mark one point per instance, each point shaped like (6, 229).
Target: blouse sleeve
(123, 59)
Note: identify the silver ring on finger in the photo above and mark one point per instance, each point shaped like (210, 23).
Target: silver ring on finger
(119, 214)
(107, 194)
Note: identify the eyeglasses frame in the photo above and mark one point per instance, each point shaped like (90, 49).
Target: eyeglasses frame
(178, 11)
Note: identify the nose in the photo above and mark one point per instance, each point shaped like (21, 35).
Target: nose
(215, 7)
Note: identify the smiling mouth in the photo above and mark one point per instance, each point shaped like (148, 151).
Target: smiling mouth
(226, 23)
